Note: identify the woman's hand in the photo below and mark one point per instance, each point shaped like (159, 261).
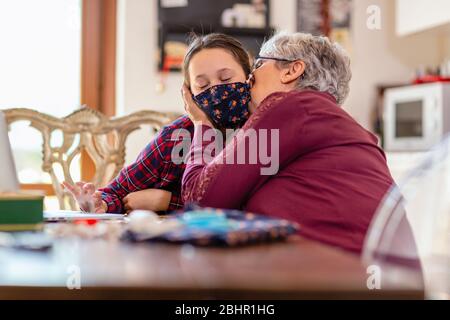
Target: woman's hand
(193, 110)
(87, 197)
(149, 199)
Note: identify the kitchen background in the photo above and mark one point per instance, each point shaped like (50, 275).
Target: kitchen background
(391, 43)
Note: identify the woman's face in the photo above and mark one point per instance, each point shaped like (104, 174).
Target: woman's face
(269, 78)
(211, 67)
(266, 80)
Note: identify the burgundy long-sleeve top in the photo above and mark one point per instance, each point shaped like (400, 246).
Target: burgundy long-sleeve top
(332, 174)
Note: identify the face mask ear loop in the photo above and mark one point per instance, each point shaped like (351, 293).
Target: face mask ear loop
(250, 81)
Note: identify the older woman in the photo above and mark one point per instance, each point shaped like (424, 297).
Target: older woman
(332, 174)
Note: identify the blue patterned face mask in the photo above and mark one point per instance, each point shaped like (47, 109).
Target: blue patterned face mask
(226, 104)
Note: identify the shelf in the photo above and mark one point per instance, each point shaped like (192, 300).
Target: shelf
(179, 29)
(201, 18)
(247, 31)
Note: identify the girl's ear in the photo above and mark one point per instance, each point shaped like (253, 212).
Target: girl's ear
(294, 71)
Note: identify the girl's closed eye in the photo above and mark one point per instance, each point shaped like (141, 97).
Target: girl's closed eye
(202, 86)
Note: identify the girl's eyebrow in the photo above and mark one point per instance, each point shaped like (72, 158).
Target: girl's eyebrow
(224, 69)
(201, 76)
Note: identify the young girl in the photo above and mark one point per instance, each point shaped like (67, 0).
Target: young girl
(213, 63)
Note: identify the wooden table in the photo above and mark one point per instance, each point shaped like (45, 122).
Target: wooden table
(298, 268)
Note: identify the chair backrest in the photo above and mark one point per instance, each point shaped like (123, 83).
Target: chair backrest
(101, 137)
(421, 199)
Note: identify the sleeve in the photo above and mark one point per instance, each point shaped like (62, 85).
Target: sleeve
(176, 202)
(228, 181)
(144, 173)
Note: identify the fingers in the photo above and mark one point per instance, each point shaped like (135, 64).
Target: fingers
(72, 189)
(97, 194)
(84, 188)
(88, 199)
(127, 208)
(97, 198)
(99, 210)
(183, 94)
(187, 98)
(80, 185)
(89, 188)
(99, 205)
(126, 204)
(194, 112)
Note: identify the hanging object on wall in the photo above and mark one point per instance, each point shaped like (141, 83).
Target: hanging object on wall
(310, 17)
(175, 51)
(173, 61)
(244, 15)
(174, 3)
(331, 18)
(246, 20)
(340, 22)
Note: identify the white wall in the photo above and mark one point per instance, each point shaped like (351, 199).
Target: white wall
(418, 15)
(137, 76)
(378, 57)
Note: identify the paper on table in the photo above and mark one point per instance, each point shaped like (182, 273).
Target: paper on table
(67, 215)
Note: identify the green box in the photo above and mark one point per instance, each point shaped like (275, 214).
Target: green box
(21, 211)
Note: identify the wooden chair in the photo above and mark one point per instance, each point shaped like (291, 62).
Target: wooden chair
(101, 137)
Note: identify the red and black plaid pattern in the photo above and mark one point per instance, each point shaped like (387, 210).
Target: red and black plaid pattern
(153, 169)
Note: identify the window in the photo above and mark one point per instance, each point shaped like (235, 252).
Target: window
(40, 63)
(56, 55)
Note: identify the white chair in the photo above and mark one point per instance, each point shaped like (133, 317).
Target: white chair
(423, 199)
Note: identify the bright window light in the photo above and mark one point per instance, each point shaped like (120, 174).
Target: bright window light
(40, 63)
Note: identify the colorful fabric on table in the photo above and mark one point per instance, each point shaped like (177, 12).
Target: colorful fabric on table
(217, 227)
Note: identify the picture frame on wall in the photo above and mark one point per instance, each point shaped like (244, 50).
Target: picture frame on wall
(331, 18)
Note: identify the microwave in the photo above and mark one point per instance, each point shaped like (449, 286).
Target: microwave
(415, 118)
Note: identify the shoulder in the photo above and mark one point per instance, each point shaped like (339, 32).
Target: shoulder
(179, 130)
(290, 105)
(179, 127)
(306, 100)
(182, 122)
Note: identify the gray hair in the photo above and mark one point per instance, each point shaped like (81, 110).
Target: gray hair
(327, 64)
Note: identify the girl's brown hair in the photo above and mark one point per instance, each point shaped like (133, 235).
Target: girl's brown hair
(213, 41)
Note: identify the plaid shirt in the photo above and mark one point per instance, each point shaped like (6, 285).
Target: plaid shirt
(153, 169)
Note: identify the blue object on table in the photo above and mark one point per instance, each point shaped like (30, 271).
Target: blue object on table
(218, 227)
(206, 220)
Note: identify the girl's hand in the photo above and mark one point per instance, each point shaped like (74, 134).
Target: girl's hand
(196, 114)
(87, 197)
(149, 199)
